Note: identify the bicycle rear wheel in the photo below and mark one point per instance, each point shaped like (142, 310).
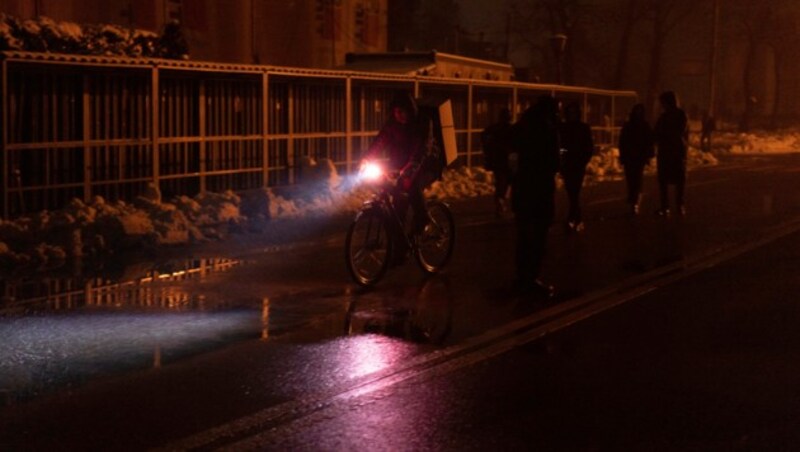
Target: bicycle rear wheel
(435, 244)
(368, 248)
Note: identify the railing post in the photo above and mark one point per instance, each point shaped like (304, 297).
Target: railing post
(4, 145)
(585, 109)
(87, 136)
(469, 125)
(202, 132)
(265, 127)
(514, 102)
(155, 100)
(613, 132)
(349, 123)
(290, 140)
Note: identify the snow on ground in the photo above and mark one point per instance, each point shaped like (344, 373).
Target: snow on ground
(48, 239)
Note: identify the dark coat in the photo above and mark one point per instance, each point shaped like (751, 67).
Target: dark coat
(533, 184)
(576, 139)
(636, 143)
(402, 143)
(672, 134)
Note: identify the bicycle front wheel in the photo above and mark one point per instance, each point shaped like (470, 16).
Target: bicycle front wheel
(368, 248)
(435, 244)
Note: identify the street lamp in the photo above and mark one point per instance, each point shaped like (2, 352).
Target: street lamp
(559, 42)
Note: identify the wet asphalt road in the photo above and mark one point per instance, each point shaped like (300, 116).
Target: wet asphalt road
(698, 362)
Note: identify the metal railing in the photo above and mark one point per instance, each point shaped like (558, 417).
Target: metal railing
(82, 126)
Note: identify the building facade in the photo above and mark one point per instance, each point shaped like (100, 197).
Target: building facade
(300, 33)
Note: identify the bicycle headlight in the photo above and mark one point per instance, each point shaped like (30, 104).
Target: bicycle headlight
(371, 171)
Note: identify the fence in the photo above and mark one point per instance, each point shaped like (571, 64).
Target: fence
(80, 126)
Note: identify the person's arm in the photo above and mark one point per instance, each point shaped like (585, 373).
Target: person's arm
(378, 145)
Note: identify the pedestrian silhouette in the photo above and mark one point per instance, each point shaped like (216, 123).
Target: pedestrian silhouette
(577, 148)
(535, 144)
(496, 141)
(635, 152)
(672, 135)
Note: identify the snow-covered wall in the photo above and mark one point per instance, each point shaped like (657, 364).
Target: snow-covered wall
(47, 35)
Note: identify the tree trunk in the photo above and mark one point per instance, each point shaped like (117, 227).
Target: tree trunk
(749, 103)
(654, 75)
(776, 104)
(624, 45)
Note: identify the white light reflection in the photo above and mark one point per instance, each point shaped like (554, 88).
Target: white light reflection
(49, 351)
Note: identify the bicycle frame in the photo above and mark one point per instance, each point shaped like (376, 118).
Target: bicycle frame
(384, 202)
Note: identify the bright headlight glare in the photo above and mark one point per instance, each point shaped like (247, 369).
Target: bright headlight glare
(371, 171)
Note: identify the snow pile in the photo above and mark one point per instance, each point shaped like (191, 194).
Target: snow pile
(47, 35)
(760, 142)
(605, 166)
(462, 182)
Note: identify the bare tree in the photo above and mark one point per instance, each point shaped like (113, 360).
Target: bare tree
(633, 12)
(665, 15)
(782, 39)
(538, 20)
(752, 20)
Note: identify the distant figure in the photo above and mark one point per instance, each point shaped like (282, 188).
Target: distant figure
(496, 141)
(172, 43)
(672, 134)
(635, 152)
(709, 125)
(535, 143)
(577, 147)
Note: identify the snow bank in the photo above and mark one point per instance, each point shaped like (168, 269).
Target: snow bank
(605, 166)
(759, 142)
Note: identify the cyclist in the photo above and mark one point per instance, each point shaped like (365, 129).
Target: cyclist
(404, 138)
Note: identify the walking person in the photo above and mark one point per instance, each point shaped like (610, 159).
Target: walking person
(535, 144)
(577, 147)
(672, 135)
(496, 141)
(635, 152)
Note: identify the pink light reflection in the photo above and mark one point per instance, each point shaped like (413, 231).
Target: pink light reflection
(372, 353)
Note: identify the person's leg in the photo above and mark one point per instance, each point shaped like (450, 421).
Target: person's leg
(538, 242)
(417, 201)
(524, 257)
(663, 188)
(680, 187)
(572, 185)
(500, 190)
(633, 179)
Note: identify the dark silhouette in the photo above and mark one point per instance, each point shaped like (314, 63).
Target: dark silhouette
(403, 139)
(172, 43)
(709, 125)
(496, 141)
(672, 135)
(577, 147)
(635, 152)
(535, 143)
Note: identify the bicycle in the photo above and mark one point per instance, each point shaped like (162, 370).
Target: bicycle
(378, 232)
